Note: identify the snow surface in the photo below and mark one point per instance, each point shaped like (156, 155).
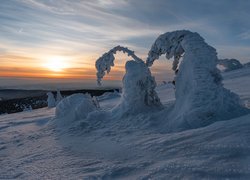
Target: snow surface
(33, 146)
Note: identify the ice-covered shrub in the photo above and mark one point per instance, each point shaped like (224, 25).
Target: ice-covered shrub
(138, 83)
(200, 96)
(51, 100)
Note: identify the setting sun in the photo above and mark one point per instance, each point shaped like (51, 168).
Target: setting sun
(56, 63)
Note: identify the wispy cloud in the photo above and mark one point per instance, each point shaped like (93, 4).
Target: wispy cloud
(245, 35)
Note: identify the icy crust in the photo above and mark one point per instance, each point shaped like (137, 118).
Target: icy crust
(106, 61)
(74, 107)
(201, 98)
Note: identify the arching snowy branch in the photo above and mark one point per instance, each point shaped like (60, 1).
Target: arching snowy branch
(170, 44)
(106, 61)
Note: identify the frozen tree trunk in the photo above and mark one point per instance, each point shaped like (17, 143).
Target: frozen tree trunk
(51, 100)
(138, 84)
(200, 96)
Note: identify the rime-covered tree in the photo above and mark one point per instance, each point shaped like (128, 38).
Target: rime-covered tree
(138, 83)
(200, 96)
(230, 64)
(51, 100)
(58, 96)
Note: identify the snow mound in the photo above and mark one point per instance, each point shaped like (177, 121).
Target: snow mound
(74, 107)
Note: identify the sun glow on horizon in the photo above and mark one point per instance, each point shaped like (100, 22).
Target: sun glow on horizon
(56, 63)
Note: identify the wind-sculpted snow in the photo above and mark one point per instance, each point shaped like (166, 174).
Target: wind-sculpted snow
(200, 96)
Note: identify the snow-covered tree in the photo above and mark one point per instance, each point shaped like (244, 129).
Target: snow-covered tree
(58, 96)
(51, 100)
(74, 107)
(230, 64)
(138, 83)
(200, 96)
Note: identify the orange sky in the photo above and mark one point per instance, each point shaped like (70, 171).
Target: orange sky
(78, 68)
(47, 67)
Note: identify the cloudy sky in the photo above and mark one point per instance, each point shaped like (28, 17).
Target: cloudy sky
(58, 41)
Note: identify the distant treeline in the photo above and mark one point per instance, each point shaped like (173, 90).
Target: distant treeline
(29, 103)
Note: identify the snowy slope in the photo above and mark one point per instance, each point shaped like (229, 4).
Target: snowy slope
(33, 146)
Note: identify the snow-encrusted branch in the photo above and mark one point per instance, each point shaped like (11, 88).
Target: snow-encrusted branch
(106, 61)
(169, 44)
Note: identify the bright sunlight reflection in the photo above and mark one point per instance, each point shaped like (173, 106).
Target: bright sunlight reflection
(56, 63)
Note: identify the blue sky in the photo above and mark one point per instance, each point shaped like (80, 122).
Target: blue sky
(83, 30)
